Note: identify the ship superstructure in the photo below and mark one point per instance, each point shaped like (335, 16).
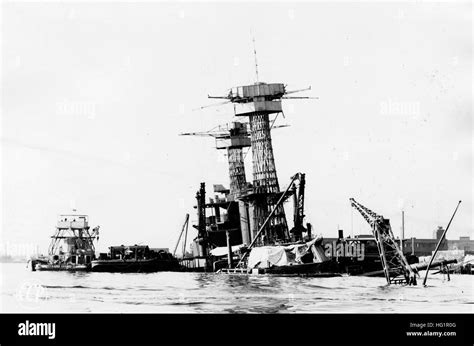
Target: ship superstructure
(72, 245)
(258, 102)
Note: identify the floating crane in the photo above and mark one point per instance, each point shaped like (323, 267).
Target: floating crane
(395, 266)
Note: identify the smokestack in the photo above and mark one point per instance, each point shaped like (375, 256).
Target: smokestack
(244, 222)
(341, 234)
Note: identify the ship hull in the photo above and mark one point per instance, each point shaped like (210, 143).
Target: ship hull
(135, 266)
(325, 269)
(61, 267)
(318, 269)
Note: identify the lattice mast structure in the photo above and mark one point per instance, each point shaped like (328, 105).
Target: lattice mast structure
(395, 265)
(233, 138)
(258, 102)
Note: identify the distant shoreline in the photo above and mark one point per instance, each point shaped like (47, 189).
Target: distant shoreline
(13, 260)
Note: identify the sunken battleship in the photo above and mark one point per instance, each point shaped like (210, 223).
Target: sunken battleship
(244, 230)
(251, 216)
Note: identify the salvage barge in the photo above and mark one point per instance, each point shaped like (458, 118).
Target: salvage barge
(135, 259)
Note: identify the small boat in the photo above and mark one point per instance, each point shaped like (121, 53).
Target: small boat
(72, 246)
(135, 259)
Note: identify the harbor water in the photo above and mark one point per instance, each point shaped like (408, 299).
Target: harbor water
(167, 292)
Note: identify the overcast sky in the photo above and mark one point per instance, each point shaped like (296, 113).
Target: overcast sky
(94, 96)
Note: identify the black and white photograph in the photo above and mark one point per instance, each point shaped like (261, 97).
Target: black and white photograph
(236, 161)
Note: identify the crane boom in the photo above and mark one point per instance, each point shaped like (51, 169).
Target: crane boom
(395, 265)
(185, 224)
(200, 134)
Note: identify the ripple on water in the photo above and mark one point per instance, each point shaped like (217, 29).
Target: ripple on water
(207, 292)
